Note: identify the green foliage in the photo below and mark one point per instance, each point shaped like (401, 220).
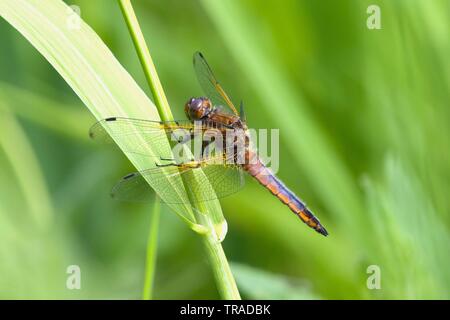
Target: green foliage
(261, 285)
(364, 126)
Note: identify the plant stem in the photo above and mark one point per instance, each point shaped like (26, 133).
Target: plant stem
(226, 285)
(225, 282)
(165, 113)
(146, 60)
(152, 246)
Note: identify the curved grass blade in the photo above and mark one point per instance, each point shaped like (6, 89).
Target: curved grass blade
(90, 69)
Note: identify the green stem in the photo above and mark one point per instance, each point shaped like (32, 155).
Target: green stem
(152, 246)
(146, 60)
(225, 282)
(166, 114)
(226, 285)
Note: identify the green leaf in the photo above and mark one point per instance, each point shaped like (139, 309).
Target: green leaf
(36, 107)
(261, 285)
(401, 214)
(96, 76)
(26, 168)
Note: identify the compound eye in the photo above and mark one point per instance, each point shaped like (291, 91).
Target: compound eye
(196, 103)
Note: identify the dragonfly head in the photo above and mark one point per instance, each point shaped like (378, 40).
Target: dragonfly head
(198, 108)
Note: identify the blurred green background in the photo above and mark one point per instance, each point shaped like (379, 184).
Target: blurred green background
(364, 124)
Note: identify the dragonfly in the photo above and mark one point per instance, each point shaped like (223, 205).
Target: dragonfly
(222, 175)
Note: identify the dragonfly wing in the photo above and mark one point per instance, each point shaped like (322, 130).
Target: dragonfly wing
(210, 85)
(125, 131)
(209, 183)
(133, 187)
(136, 135)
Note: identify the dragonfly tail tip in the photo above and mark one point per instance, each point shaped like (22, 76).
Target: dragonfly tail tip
(323, 231)
(320, 229)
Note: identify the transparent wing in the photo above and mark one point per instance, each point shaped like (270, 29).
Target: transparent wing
(126, 131)
(108, 128)
(211, 86)
(216, 181)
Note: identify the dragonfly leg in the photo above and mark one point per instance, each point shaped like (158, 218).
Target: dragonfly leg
(189, 165)
(168, 164)
(173, 159)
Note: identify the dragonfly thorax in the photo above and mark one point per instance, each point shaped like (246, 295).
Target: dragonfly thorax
(198, 108)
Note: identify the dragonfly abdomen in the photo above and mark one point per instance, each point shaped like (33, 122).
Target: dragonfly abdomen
(271, 182)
